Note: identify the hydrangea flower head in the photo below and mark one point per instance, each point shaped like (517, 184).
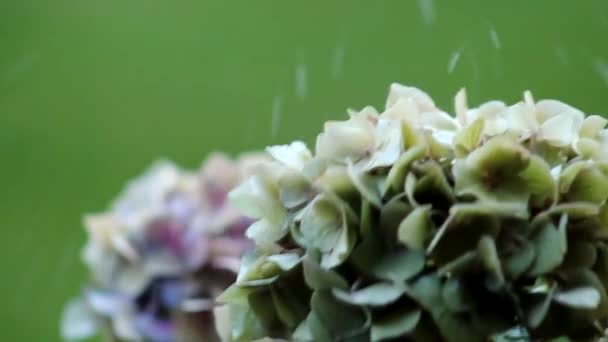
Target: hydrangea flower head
(413, 224)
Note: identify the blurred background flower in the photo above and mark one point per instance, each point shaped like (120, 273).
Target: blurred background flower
(158, 258)
(91, 91)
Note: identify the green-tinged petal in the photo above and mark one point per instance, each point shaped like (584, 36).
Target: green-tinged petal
(312, 330)
(499, 157)
(398, 266)
(454, 296)
(580, 298)
(415, 229)
(592, 126)
(318, 278)
(538, 312)
(489, 258)
(469, 138)
(368, 185)
(396, 176)
(549, 254)
(538, 178)
(342, 320)
(379, 294)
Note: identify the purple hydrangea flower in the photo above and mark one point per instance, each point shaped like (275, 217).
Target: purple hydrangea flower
(168, 245)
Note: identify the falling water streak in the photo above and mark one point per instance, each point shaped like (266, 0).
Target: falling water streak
(427, 11)
(301, 81)
(277, 104)
(475, 71)
(453, 61)
(494, 38)
(68, 260)
(338, 62)
(602, 69)
(561, 55)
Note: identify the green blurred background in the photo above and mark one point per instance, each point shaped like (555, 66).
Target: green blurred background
(92, 91)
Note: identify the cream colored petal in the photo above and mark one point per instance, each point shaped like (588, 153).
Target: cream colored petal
(345, 139)
(460, 105)
(403, 109)
(561, 129)
(592, 126)
(389, 144)
(78, 322)
(294, 155)
(398, 91)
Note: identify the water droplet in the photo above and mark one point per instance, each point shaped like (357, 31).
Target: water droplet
(453, 61)
(275, 115)
(427, 11)
(494, 38)
(561, 55)
(338, 62)
(301, 81)
(602, 69)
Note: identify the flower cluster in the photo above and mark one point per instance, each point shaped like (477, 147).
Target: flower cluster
(167, 247)
(414, 224)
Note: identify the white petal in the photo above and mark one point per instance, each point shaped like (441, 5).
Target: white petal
(561, 129)
(389, 144)
(78, 321)
(254, 197)
(521, 118)
(460, 105)
(403, 109)
(124, 325)
(592, 126)
(422, 99)
(346, 139)
(294, 155)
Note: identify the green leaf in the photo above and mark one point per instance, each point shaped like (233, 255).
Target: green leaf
(549, 253)
(379, 294)
(398, 266)
(396, 325)
(579, 298)
(416, 227)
